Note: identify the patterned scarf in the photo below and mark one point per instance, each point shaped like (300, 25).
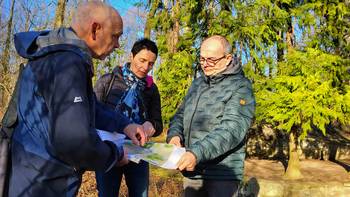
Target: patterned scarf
(131, 102)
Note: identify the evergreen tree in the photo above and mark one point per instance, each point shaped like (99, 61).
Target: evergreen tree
(303, 95)
(295, 52)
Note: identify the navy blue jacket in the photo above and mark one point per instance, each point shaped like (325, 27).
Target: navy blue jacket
(56, 139)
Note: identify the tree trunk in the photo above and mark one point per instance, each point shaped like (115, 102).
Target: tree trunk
(27, 19)
(151, 13)
(176, 28)
(280, 47)
(1, 11)
(293, 170)
(59, 17)
(173, 32)
(5, 59)
(290, 35)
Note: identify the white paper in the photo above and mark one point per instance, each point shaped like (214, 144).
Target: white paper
(174, 157)
(159, 154)
(111, 136)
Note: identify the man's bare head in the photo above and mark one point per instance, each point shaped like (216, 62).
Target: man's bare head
(215, 55)
(224, 43)
(99, 25)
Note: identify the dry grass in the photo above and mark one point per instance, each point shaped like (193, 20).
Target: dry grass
(163, 183)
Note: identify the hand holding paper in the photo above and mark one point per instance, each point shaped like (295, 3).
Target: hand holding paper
(187, 162)
(159, 154)
(149, 129)
(176, 141)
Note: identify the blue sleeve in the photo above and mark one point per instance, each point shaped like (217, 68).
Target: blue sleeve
(73, 137)
(110, 120)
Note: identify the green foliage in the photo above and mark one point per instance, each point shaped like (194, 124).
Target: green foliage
(304, 93)
(178, 56)
(174, 78)
(300, 82)
(327, 25)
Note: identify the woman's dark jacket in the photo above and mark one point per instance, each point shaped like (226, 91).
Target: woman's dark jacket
(150, 96)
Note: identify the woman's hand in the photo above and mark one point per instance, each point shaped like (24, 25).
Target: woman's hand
(148, 129)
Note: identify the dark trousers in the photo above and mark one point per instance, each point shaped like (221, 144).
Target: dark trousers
(136, 178)
(210, 188)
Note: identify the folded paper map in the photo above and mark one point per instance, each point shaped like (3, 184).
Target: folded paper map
(159, 154)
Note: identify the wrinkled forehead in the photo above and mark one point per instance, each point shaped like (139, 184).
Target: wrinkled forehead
(212, 48)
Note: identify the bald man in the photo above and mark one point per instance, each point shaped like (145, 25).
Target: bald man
(55, 139)
(212, 123)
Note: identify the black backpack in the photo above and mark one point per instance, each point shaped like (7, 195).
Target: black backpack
(8, 125)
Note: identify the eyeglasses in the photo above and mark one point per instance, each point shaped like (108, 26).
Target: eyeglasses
(210, 60)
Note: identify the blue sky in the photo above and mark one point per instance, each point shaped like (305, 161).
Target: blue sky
(123, 5)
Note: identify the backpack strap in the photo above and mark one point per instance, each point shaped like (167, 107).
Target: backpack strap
(105, 95)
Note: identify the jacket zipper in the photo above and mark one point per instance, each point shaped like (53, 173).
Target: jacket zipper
(190, 125)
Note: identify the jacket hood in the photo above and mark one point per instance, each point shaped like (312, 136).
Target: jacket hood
(234, 67)
(34, 44)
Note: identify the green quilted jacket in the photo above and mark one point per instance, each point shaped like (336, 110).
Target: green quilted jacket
(212, 123)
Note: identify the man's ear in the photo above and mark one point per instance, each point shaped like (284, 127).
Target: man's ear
(95, 28)
(228, 59)
(131, 57)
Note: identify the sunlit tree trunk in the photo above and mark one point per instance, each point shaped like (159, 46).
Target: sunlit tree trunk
(290, 36)
(60, 10)
(5, 58)
(293, 170)
(173, 33)
(176, 27)
(153, 8)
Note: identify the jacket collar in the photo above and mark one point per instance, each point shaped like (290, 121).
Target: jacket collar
(34, 44)
(234, 68)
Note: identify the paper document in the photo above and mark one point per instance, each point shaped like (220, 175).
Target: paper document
(111, 136)
(159, 154)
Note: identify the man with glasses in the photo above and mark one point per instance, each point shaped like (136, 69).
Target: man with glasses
(212, 123)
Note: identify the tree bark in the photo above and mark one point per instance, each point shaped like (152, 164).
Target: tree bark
(293, 170)
(150, 15)
(5, 58)
(176, 28)
(59, 17)
(280, 47)
(27, 19)
(1, 11)
(290, 35)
